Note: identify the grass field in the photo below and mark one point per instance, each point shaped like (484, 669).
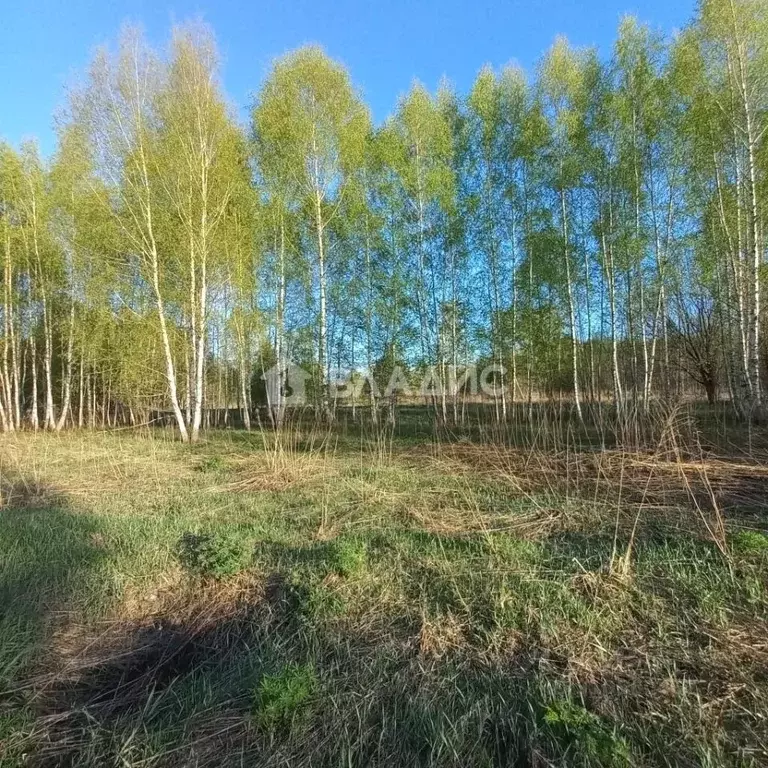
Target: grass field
(337, 600)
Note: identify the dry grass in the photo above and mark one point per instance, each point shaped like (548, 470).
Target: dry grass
(102, 466)
(447, 598)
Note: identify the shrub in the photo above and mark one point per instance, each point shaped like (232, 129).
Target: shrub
(211, 464)
(750, 542)
(585, 735)
(217, 555)
(348, 556)
(282, 697)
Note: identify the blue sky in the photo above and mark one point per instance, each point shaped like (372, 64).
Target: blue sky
(386, 44)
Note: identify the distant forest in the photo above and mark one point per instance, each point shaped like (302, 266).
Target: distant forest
(596, 228)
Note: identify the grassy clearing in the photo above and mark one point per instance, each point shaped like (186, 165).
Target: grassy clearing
(335, 600)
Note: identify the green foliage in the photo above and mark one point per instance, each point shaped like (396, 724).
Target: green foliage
(349, 556)
(750, 542)
(166, 256)
(309, 124)
(216, 555)
(213, 463)
(585, 737)
(283, 697)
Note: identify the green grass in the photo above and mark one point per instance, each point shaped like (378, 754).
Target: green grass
(322, 603)
(282, 697)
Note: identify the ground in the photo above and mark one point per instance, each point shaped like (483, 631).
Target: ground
(328, 599)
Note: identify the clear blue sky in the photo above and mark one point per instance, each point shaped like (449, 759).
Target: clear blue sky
(44, 44)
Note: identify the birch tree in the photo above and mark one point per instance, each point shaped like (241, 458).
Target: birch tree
(118, 111)
(315, 125)
(203, 178)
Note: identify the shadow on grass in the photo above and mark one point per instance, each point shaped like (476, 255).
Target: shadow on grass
(183, 686)
(186, 687)
(47, 552)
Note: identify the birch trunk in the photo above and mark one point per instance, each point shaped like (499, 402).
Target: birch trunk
(68, 372)
(571, 308)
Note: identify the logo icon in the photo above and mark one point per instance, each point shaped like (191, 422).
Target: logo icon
(286, 384)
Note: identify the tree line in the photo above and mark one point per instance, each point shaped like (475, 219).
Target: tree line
(596, 230)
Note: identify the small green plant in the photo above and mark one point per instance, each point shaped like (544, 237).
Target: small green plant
(216, 555)
(284, 696)
(213, 463)
(348, 556)
(585, 734)
(313, 599)
(750, 542)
